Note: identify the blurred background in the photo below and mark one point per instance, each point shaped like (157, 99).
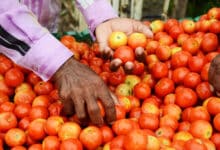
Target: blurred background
(72, 20)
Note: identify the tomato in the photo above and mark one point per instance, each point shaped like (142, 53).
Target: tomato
(22, 110)
(180, 59)
(159, 70)
(38, 112)
(117, 39)
(96, 61)
(163, 52)
(195, 63)
(8, 120)
(137, 40)
(185, 97)
(213, 13)
(24, 123)
(71, 144)
(181, 38)
(209, 42)
(91, 137)
(216, 122)
(15, 137)
(18, 148)
(55, 108)
(3, 97)
(107, 134)
(67, 40)
(179, 74)
(116, 78)
(191, 80)
(201, 129)
(139, 68)
(203, 90)
(151, 46)
(170, 23)
(23, 86)
(7, 106)
(5, 64)
(117, 141)
(148, 121)
(125, 53)
(215, 138)
(122, 126)
(36, 129)
(69, 130)
(135, 140)
(141, 90)
(120, 112)
(53, 124)
(24, 97)
(33, 79)
(43, 88)
(35, 147)
(172, 110)
(135, 112)
(51, 143)
(191, 45)
(164, 86)
(194, 143)
(175, 31)
(170, 121)
(199, 113)
(215, 27)
(41, 100)
(189, 26)
(213, 105)
(4, 88)
(14, 77)
(165, 40)
(165, 132)
(184, 126)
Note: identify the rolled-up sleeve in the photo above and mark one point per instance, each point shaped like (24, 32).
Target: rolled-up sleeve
(96, 12)
(27, 42)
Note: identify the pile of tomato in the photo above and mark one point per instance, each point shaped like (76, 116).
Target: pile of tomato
(165, 100)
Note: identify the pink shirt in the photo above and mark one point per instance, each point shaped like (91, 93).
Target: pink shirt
(30, 44)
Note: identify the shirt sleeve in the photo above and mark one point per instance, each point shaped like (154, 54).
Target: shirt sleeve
(95, 12)
(28, 43)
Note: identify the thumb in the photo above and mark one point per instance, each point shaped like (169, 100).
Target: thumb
(142, 28)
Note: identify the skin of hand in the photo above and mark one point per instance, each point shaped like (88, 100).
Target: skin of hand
(125, 25)
(79, 89)
(214, 74)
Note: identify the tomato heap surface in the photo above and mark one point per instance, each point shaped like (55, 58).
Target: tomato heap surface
(165, 102)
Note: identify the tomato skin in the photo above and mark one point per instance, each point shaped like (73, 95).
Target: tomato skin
(107, 134)
(164, 86)
(91, 137)
(14, 77)
(148, 121)
(8, 120)
(191, 45)
(15, 137)
(36, 129)
(209, 42)
(179, 74)
(51, 143)
(180, 59)
(213, 105)
(142, 90)
(191, 80)
(74, 144)
(122, 126)
(43, 88)
(196, 63)
(185, 97)
(195, 144)
(203, 90)
(125, 53)
(67, 40)
(117, 39)
(135, 140)
(137, 40)
(5, 64)
(159, 70)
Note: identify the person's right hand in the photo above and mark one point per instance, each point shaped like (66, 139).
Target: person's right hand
(79, 88)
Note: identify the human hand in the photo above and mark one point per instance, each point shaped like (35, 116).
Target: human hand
(79, 88)
(214, 74)
(126, 25)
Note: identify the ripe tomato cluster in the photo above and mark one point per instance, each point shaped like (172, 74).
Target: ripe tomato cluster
(165, 102)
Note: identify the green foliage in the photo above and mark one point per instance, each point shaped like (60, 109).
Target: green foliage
(199, 7)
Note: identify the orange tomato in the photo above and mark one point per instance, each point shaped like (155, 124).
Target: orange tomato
(15, 137)
(137, 40)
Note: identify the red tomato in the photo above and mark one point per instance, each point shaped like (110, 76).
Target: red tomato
(74, 144)
(51, 143)
(213, 105)
(36, 129)
(201, 129)
(67, 40)
(43, 88)
(175, 31)
(8, 121)
(22, 110)
(122, 126)
(159, 70)
(216, 122)
(179, 74)
(53, 124)
(124, 53)
(107, 134)
(194, 144)
(14, 77)
(185, 97)
(5, 64)
(209, 42)
(148, 121)
(142, 90)
(163, 87)
(135, 140)
(191, 45)
(196, 63)
(191, 80)
(180, 59)
(38, 112)
(203, 90)
(170, 23)
(33, 79)
(199, 113)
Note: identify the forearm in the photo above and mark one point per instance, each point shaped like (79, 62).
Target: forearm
(27, 43)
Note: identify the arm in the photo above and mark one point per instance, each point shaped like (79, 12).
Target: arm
(27, 43)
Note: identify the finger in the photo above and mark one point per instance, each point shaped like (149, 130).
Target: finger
(142, 28)
(109, 101)
(68, 107)
(129, 66)
(107, 53)
(80, 109)
(93, 110)
(115, 64)
(140, 54)
(114, 97)
(211, 73)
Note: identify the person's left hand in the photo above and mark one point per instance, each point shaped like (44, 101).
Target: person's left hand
(126, 25)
